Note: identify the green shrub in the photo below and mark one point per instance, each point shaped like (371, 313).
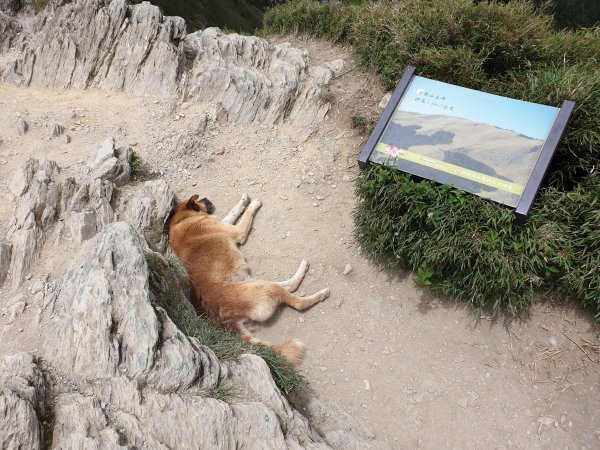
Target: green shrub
(472, 249)
(169, 288)
(329, 20)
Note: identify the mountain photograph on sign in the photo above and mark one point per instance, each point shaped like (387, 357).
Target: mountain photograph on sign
(477, 142)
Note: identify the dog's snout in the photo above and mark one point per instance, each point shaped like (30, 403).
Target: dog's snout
(210, 208)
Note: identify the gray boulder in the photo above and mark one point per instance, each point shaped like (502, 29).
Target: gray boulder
(110, 163)
(21, 390)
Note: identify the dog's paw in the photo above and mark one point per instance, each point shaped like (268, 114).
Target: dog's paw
(323, 294)
(245, 199)
(303, 266)
(255, 205)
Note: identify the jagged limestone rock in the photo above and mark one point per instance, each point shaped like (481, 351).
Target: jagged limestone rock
(111, 164)
(252, 80)
(38, 198)
(22, 126)
(55, 130)
(10, 6)
(85, 208)
(130, 377)
(146, 209)
(5, 254)
(21, 385)
(112, 45)
(134, 48)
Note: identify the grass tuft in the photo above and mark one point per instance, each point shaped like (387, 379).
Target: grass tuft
(170, 290)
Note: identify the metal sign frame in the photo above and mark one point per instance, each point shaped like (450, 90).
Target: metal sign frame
(539, 169)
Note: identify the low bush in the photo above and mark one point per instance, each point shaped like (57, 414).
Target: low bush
(468, 248)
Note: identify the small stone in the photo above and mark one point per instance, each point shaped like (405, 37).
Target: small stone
(22, 126)
(347, 269)
(55, 130)
(385, 100)
(367, 385)
(73, 115)
(301, 319)
(320, 197)
(315, 204)
(220, 151)
(473, 396)
(28, 277)
(346, 178)
(553, 342)
(66, 138)
(283, 197)
(310, 190)
(358, 334)
(546, 421)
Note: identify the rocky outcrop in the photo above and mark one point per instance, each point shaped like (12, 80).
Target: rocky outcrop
(140, 374)
(134, 48)
(10, 6)
(83, 209)
(21, 390)
(38, 202)
(104, 44)
(252, 80)
(110, 163)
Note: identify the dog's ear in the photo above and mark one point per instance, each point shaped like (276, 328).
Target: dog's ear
(192, 203)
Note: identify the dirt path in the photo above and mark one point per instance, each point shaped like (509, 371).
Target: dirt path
(419, 371)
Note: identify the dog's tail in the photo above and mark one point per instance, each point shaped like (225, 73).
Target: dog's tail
(293, 350)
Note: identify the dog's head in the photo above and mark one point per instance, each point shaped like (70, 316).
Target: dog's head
(203, 205)
(187, 208)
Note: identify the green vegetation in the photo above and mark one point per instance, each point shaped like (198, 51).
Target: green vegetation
(170, 290)
(38, 5)
(459, 244)
(363, 124)
(236, 15)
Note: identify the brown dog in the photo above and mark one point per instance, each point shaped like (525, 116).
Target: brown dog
(219, 274)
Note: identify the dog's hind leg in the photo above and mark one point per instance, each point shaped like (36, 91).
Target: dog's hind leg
(294, 283)
(233, 215)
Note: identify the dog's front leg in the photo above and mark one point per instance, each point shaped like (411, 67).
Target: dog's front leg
(241, 231)
(233, 215)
